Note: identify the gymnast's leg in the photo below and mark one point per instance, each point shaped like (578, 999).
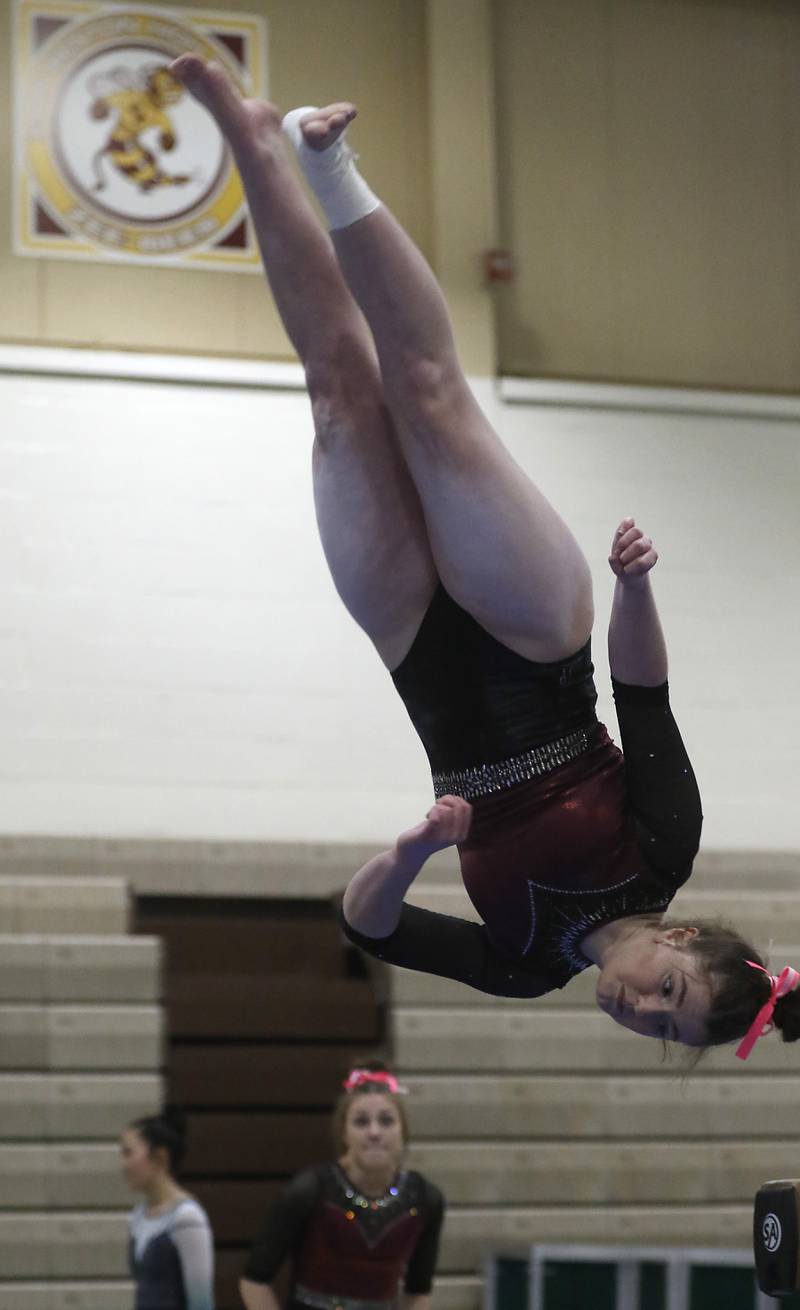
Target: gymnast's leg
(500, 548)
(370, 519)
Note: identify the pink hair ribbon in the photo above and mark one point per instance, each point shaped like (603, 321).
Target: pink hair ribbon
(779, 985)
(358, 1077)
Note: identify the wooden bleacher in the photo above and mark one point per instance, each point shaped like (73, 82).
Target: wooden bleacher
(542, 1121)
(81, 1035)
(263, 1019)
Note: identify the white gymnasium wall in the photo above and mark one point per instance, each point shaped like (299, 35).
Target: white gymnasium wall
(174, 661)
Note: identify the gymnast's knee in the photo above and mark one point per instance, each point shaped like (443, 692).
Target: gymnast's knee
(344, 388)
(429, 389)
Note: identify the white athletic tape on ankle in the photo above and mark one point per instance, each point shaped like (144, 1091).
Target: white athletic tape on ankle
(332, 175)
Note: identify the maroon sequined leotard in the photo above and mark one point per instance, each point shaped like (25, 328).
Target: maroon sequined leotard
(550, 856)
(345, 1247)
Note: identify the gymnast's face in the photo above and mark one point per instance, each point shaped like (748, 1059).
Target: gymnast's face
(373, 1133)
(651, 984)
(140, 1165)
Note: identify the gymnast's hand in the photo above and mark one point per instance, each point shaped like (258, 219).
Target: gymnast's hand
(374, 897)
(446, 824)
(633, 554)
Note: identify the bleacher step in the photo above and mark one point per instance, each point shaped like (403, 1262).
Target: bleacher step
(66, 1296)
(471, 1233)
(76, 1246)
(549, 1040)
(88, 1037)
(59, 1107)
(59, 906)
(585, 1173)
(546, 1105)
(61, 1177)
(79, 968)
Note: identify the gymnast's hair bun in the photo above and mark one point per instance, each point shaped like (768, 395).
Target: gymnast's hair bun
(375, 1065)
(175, 1119)
(787, 1015)
(167, 1130)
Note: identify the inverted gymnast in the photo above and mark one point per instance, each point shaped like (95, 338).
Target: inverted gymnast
(478, 600)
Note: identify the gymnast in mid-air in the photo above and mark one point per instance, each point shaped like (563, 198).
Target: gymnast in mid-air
(478, 601)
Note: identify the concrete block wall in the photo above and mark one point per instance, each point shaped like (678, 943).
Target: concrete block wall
(175, 662)
(81, 1036)
(545, 1121)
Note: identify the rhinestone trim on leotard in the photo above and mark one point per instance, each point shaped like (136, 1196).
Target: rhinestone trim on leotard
(482, 779)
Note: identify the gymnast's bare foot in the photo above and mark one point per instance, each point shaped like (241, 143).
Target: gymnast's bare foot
(243, 122)
(321, 127)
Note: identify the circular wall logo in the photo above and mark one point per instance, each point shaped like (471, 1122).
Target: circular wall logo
(132, 142)
(120, 155)
(771, 1232)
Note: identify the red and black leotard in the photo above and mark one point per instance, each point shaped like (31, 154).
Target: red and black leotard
(344, 1249)
(548, 857)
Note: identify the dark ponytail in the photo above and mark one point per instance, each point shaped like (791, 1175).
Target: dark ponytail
(787, 1015)
(166, 1130)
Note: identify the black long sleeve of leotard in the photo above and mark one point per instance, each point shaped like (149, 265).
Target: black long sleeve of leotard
(450, 948)
(287, 1219)
(659, 779)
(421, 1267)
